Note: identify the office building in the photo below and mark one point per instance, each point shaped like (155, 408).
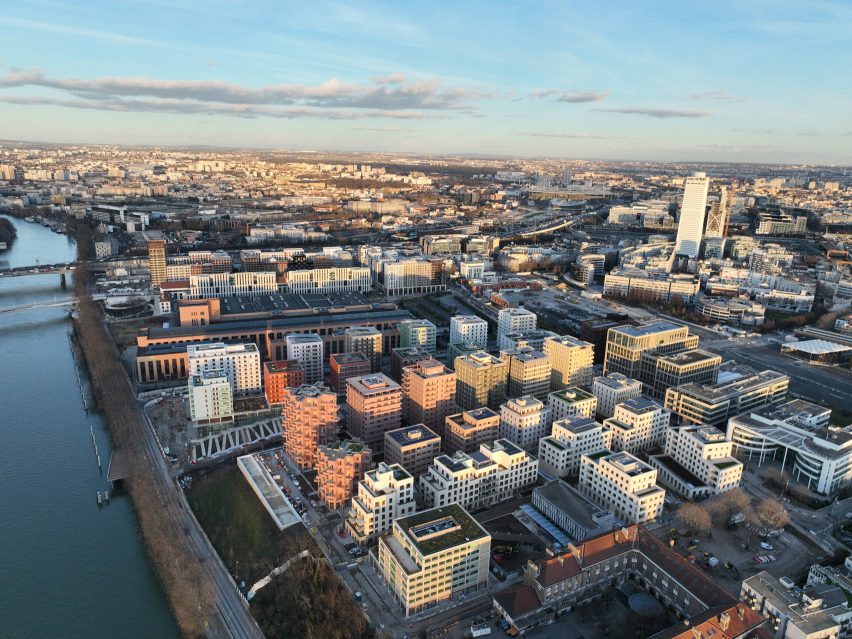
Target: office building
(309, 419)
(697, 462)
(329, 280)
(433, 556)
(613, 389)
(515, 320)
(455, 351)
(279, 376)
(595, 329)
(211, 398)
(638, 424)
(412, 447)
(659, 372)
(715, 404)
(534, 339)
(625, 344)
(495, 473)
(307, 349)
(232, 285)
(367, 340)
(373, 407)
(573, 513)
(469, 328)
(465, 431)
(346, 365)
(407, 356)
(623, 484)
(693, 209)
(340, 466)
(384, 495)
(481, 380)
(428, 394)
(559, 454)
(529, 372)
(157, 261)
(240, 362)
(571, 402)
(571, 361)
(523, 421)
(417, 332)
(411, 276)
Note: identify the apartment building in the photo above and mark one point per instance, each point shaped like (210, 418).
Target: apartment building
(309, 419)
(340, 466)
(465, 431)
(481, 380)
(714, 404)
(614, 389)
(418, 332)
(469, 328)
(367, 340)
(428, 394)
(659, 372)
(346, 365)
(240, 362)
(211, 398)
(455, 351)
(638, 424)
(307, 349)
(373, 407)
(529, 372)
(407, 356)
(412, 447)
(625, 344)
(623, 484)
(523, 421)
(329, 280)
(495, 473)
(385, 494)
(157, 261)
(559, 453)
(411, 276)
(515, 320)
(279, 376)
(571, 402)
(535, 339)
(232, 285)
(697, 462)
(433, 556)
(571, 361)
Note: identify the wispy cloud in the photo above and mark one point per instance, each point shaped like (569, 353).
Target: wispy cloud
(577, 135)
(657, 113)
(560, 95)
(384, 129)
(718, 96)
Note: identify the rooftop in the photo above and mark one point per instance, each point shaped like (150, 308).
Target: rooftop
(649, 328)
(412, 434)
(438, 529)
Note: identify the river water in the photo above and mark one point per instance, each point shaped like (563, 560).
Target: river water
(68, 568)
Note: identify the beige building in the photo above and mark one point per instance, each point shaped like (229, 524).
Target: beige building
(157, 262)
(373, 407)
(210, 397)
(623, 484)
(523, 421)
(366, 340)
(465, 431)
(613, 389)
(340, 466)
(571, 438)
(412, 447)
(571, 361)
(480, 381)
(529, 372)
(309, 419)
(625, 344)
(433, 556)
(386, 493)
(638, 424)
(240, 362)
(571, 402)
(429, 394)
(660, 372)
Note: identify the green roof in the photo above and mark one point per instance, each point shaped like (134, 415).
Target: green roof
(465, 529)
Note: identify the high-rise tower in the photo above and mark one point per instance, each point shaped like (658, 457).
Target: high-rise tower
(692, 212)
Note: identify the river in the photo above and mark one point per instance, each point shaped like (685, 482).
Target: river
(68, 568)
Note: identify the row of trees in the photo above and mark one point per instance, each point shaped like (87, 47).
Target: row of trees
(699, 518)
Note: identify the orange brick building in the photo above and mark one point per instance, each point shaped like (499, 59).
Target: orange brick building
(309, 420)
(340, 466)
(346, 365)
(280, 375)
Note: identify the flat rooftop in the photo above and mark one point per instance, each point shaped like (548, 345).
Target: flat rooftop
(649, 328)
(439, 529)
(569, 500)
(268, 491)
(416, 434)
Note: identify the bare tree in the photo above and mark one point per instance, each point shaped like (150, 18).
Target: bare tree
(695, 518)
(729, 503)
(772, 513)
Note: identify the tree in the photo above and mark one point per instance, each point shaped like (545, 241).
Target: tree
(772, 513)
(695, 518)
(729, 503)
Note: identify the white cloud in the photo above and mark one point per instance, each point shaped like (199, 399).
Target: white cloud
(657, 113)
(560, 95)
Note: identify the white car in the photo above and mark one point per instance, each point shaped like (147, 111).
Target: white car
(766, 546)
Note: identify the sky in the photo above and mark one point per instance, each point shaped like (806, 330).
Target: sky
(727, 80)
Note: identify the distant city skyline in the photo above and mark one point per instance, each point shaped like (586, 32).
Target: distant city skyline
(720, 82)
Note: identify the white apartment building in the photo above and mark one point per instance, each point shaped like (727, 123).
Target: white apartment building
(210, 397)
(571, 402)
(330, 280)
(232, 284)
(468, 328)
(386, 493)
(418, 332)
(515, 320)
(623, 484)
(523, 421)
(693, 210)
(307, 349)
(493, 474)
(638, 424)
(472, 270)
(412, 276)
(240, 362)
(613, 389)
(559, 454)
(571, 361)
(705, 454)
(433, 556)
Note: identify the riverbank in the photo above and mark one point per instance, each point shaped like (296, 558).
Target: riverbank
(7, 232)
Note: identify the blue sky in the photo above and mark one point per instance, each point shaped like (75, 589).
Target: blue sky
(751, 80)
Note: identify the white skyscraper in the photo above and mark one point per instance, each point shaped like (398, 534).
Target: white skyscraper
(690, 226)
